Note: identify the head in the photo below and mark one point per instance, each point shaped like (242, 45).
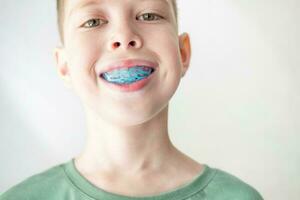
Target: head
(95, 33)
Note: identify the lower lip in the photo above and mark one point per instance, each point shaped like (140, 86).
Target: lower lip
(129, 87)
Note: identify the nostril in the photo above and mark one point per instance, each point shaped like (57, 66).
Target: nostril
(116, 44)
(132, 43)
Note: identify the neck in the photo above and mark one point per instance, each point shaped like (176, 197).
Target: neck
(133, 149)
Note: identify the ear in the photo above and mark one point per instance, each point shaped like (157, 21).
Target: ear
(185, 51)
(62, 66)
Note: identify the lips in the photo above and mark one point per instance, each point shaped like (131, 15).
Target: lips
(132, 87)
(128, 63)
(127, 76)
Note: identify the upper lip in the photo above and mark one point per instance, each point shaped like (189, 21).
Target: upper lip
(127, 63)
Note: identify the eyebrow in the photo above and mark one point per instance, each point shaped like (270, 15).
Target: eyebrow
(84, 4)
(95, 2)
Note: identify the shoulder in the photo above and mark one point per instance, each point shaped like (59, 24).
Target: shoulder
(227, 186)
(37, 185)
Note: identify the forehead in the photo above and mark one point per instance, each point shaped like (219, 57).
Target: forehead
(72, 5)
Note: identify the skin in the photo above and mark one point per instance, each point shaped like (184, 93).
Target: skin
(128, 149)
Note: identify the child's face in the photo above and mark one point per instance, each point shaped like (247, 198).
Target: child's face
(123, 31)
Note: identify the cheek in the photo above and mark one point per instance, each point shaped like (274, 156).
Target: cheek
(164, 42)
(84, 47)
(84, 50)
(83, 53)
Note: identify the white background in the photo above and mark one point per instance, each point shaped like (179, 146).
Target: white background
(236, 109)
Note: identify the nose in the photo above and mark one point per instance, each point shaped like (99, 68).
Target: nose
(125, 38)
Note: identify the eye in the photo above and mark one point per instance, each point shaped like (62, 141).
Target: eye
(149, 17)
(91, 23)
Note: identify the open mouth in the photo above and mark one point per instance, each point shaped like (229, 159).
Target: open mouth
(127, 75)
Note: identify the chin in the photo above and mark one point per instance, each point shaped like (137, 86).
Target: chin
(129, 119)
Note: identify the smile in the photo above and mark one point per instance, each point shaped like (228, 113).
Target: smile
(127, 75)
(128, 80)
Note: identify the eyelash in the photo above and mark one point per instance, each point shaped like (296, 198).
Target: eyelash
(157, 17)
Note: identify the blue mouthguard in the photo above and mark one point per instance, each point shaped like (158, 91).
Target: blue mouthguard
(127, 76)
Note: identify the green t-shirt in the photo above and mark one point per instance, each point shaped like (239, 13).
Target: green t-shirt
(64, 182)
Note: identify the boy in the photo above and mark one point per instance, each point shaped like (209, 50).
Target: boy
(124, 59)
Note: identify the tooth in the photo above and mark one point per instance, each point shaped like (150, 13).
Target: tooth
(128, 75)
